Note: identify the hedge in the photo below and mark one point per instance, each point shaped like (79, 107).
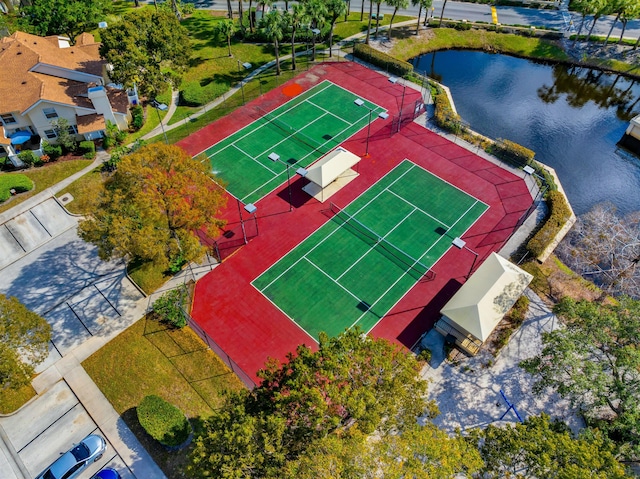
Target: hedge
(137, 117)
(445, 117)
(163, 421)
(558, 216)
(28, 157)
(14, 181)
(515, 317)
(512, 153)
(378, 58)
(169, 307)
(88, 149)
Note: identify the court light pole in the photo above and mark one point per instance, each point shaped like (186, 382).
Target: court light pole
(276, 158)
(251, 209)
(160, 106)
(244, 233)
(360, 102)
(461, 244)
(246, 66)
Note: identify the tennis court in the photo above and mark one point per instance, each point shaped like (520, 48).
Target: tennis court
(357, 266)
(298, 132)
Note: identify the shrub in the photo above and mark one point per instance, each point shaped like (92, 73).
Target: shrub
(515, 318)
(445, 117)
(52, 151)
(378, 58)
(512, 153)
(559, 214)
(88, 149)
(425, 355)
(169, 307)
(13, 181)
(28, 157)
(137, 117)
(163, 421)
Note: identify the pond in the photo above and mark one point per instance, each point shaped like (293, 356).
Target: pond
(572, 117)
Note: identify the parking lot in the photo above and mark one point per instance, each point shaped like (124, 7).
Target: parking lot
(51, 425)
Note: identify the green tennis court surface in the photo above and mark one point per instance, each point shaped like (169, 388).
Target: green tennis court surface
(300, 131)
(357, 266)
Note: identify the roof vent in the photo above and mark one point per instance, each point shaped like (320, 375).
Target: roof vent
(24, 82)
(19, 53)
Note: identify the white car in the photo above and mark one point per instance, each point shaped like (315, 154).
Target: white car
(72, 462)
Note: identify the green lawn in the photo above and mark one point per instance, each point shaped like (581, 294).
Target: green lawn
(353, 25)
(44, 177)
(148, 359)
(16, 181)
(84, 191)
(12, 399)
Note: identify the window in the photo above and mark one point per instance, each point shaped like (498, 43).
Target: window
(73, 130)
(7, 118)
(50, 134)
(50, 113)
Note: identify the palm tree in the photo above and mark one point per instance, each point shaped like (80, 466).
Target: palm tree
(601, 7)
(335, 9)
(396, 4)
(422, 4)
(369, 25)
(317, 13)
(226, 28)
(444, 4)
(297, 17)
(272, 28)
(378, 3)
(631, 12)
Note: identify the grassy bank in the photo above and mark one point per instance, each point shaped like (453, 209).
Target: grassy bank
(149, 359)
(436, 39)
(44, 177)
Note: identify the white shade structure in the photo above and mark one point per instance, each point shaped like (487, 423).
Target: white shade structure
(475, 310)
(330, 173)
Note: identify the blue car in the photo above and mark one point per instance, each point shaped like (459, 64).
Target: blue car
(107, 473)
(72, 462)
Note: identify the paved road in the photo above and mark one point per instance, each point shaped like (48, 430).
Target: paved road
(480, 12)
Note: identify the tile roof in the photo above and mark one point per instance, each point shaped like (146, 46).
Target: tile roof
(118, 99)
(20, 88)
(90, 123)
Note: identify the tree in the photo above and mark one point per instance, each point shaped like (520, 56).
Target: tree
(335, 9)
(144, 48)
(594, 361)
(606, 249)
(418, 451)
(272, 27)
(444, 5)
(297, 17)
(599, 8)
(24, 342)
(226, 29)
(422, 4)
(153, 205)
(350, 380)
(317, 13)
(63, 134)
(366, 41)
(542, 448)
(631, 11)
(378, 3)
(396, 4)
(63, 17)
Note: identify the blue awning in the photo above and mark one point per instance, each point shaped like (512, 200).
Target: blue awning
(20, 137)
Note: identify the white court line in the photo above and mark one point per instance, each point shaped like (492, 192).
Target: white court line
(330, 113)
(373, 247)
(419, 209)
(252, 158)
(261, 118)
(332, 279)
(329, 235)
(301, 159)
(405, 273)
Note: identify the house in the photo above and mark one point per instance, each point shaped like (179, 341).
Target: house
(471, 315)
(46, 78)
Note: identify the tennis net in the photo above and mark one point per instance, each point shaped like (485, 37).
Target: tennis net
(404, 260)
(275, 120)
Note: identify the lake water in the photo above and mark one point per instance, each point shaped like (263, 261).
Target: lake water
(571, 117)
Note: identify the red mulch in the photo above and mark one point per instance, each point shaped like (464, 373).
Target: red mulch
(245, 324)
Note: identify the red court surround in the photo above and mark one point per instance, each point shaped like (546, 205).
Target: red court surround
(247, 326)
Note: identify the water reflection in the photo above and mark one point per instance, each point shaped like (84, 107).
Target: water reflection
(581, 85)
(572, 117)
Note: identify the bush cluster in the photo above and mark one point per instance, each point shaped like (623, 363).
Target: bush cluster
(163, 421)
(559, 214)
(169, 307)
(52, 151)
(137, 117)
(29, 158)
(445, 117)
(515, 317)
(18, 182)
(88, 149)
(512, 153)
(381, 59)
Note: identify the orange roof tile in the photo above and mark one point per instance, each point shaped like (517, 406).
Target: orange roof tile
(118, 99)
(90, 123)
